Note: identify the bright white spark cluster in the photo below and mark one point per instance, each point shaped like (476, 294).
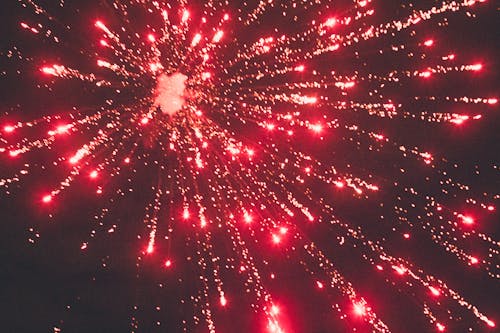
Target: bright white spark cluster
(170, 93)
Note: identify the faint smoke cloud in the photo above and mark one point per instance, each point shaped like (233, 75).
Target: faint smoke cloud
(169, 93)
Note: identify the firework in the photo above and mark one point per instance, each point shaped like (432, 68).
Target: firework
(283, 153)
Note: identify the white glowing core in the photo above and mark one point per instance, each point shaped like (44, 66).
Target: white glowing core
(169, 93)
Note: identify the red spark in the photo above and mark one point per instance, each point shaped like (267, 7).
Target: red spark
(399, 269)
(426, 74)
(339, 184)
(434, 291)
(440, 327)
(185, 214)
(14, 153)
(299, 68)
(205, 75)
(276, 239)
(185, 16)
(359, 309)
(196, 40)
(168, 262)
(248, 218)
(476, 67)
(331, 22)
(218, 36)
(317, 128)
(47, 198)
(466, 219)
(9, 129)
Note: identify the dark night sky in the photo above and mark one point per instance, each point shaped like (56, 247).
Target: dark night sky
(52, 284)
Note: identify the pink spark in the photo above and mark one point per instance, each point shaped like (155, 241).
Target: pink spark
(223, 300)
(429, 42)
(168, 263)
(319, 284)
(144, 120)
(93, 174)
(47, 198)
(473, 260)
